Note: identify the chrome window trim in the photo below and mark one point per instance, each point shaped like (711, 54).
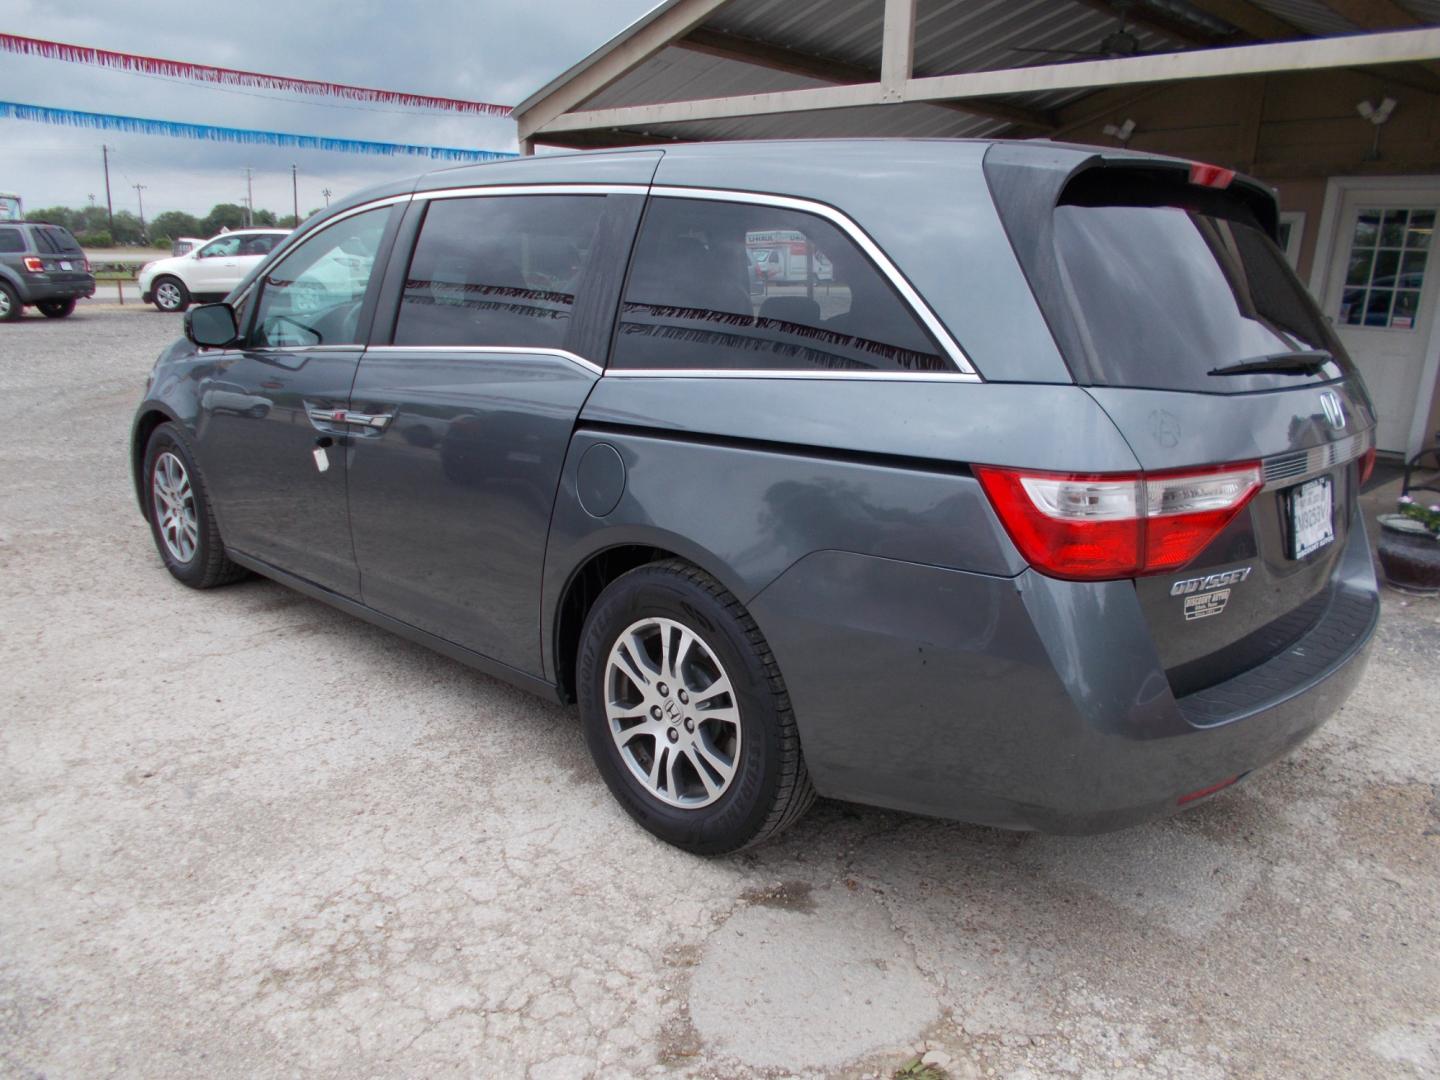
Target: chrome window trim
(534, 189)
(493, 350)
(1297, 466)
(788, 373)
(912, 298)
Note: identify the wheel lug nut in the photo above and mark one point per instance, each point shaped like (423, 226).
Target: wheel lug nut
(664, 690)
(684, 698)
(690, 724)
(655, 712)
(673, 735)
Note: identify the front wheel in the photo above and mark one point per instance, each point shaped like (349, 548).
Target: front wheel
(170, 294)
(181, 520)
(56, 309)
(686, 714)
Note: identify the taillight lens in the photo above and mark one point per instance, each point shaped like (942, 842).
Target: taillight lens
(34, 265)
(1095, 527)
(1212, 176)
(1367, 466)
(86, 264)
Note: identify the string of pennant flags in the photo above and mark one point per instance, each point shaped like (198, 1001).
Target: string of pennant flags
(14, 110)
(180, 69)
(151, 65)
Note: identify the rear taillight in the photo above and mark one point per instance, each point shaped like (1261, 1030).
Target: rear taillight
(85, 263)
(1367, 466)
(1214, 176)
(1116, 525)
(34, 265)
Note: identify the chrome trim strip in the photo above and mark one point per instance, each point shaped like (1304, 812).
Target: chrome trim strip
(1284, 470)
(493, 350)
(836, 217)
(535, 189)
(786, 373)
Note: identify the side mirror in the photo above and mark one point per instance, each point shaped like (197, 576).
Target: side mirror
(212, 326)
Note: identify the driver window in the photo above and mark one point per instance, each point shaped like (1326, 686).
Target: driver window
(313, 295)
(226, 245)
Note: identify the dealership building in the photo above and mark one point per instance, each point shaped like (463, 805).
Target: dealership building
(1334, 103)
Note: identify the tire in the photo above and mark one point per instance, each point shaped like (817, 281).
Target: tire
(749, 727)
(10, 306)
(169, 294)
(191, 547)
(56, 309)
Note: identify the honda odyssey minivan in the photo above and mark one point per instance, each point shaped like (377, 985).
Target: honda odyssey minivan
(1026, 496)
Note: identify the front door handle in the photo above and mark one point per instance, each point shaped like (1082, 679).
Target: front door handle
(323, 419)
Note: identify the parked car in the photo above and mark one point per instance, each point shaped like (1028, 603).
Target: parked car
(1041, 512)
(41, 266)
(209, 271)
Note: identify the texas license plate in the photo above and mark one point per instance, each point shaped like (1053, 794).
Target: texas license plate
(1312, 516)
(64, 266)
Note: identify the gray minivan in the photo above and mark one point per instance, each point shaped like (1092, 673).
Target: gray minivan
(1027, 495)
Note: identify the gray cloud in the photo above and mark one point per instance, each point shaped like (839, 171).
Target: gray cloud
(498, 51)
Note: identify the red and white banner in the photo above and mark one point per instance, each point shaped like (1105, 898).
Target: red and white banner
(179, 69)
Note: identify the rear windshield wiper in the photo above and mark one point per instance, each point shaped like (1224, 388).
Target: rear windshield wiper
(1286, 363)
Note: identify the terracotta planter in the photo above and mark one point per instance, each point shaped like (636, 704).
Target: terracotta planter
(1410, 554)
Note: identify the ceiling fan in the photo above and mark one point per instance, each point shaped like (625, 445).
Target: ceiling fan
(1119, 43)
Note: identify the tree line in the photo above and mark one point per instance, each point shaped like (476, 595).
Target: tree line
(92, 226)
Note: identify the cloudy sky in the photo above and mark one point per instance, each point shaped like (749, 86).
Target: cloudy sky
(488, 50)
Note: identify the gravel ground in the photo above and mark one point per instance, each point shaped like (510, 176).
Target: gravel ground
(244, 835)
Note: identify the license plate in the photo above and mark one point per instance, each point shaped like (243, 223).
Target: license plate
(64, 266)
(1312, 516)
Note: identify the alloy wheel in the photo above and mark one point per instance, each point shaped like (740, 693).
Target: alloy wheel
(167, 295)
(672, 713)
(174, 503)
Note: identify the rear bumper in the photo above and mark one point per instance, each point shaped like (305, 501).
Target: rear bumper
(34, 291)
(1031, 703)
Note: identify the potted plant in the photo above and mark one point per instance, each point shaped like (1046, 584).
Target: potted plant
(1410, 546)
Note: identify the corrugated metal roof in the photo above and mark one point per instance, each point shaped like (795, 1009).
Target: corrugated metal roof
(952, 36)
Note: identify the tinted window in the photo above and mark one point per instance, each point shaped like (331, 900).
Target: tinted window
(1166, 294)
(735, 286)
(54, 239)
(11, 240)
(313, 295)
(261, 244)
(500, 270)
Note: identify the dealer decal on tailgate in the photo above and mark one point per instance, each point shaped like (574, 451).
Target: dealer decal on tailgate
(1205, 596)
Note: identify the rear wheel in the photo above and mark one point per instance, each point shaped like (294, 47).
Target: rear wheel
(170, 294)
(180, 517)
(686, 714)
(10, 306)
(56, 309)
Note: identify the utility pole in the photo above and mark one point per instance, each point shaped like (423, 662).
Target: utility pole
(326, 193)
(295, 195)
(138, 189)
(109, 209)
(249, 196)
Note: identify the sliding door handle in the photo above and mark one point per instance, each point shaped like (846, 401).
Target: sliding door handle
(325, 418)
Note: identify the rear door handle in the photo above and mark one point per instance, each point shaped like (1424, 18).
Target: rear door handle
(325, 419)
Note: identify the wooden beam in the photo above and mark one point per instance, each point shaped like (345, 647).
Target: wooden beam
(897, 47)
(1393, 47)
(793, 62)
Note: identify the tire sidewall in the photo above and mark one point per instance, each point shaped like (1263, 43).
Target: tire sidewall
(729, 822)
(184, 295)
(57, 309)
(15, 307)
(167, 437)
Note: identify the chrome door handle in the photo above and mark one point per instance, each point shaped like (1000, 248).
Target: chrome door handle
(376, 421)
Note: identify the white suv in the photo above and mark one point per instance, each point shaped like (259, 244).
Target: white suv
(210, 271)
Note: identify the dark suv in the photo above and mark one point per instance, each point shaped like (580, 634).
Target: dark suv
(41, 266)
(1025, 494)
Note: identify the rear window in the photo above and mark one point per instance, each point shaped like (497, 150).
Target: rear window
(1169, 284)
(55, 240)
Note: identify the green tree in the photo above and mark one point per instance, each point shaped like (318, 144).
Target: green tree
(55, 215)
(172, 224)
(222, 216)
(265, 218)
(127, 230)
